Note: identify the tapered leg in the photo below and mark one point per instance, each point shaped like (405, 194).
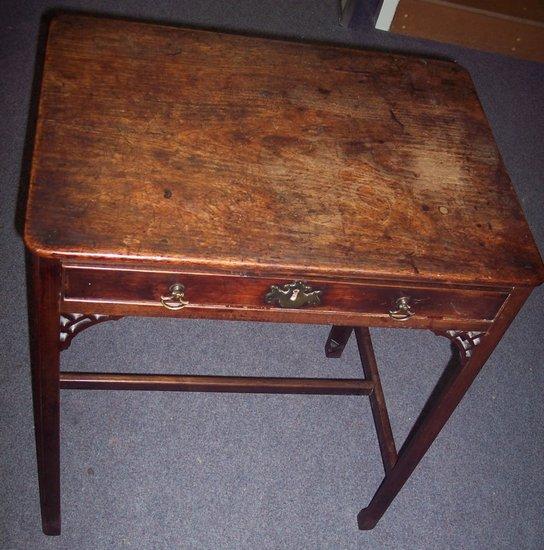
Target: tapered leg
(44, 291)
(377, 399)
(436, 413)
(337, 340)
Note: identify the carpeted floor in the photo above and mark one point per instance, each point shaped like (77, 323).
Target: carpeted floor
(167, 470)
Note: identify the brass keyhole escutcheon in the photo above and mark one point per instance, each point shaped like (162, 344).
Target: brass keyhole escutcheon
(293, 295)
(403, 310)
(175, 300)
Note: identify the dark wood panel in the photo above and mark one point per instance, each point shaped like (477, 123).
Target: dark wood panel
(147, 287)
(474, 24)
(531, 10)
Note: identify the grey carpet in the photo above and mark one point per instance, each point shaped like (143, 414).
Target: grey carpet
(167, 470)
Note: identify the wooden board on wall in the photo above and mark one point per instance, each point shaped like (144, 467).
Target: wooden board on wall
(502, 26)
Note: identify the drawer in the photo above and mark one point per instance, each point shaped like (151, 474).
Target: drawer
(154, 288)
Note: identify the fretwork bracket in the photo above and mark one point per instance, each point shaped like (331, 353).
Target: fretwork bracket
(72, 324)
(464, 341)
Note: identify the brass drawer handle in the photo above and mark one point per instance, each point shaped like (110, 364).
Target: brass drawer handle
(403, 309)
(176, 298)
(293, 295)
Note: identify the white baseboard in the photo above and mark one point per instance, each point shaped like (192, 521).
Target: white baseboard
(387, 12)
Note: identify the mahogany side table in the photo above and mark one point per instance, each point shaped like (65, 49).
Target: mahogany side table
(188, 173)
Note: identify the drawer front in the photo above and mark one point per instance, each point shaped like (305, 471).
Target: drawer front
(154, 288)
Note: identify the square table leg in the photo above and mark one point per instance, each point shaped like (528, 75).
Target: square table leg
(377, 399)
(44, 286)
(437, 411)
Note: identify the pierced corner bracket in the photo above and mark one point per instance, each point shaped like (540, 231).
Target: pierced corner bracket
(72, 324)
(465, 341)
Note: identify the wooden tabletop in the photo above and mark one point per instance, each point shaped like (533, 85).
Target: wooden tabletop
(217, 151)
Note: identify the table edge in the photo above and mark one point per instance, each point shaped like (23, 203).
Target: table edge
(246, 268)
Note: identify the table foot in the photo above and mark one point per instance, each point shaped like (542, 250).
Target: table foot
(51, 529)
(365, 520)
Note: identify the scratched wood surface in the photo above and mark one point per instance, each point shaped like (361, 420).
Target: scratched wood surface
(240, 154)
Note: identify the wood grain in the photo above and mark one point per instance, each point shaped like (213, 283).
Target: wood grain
(232, 153)
(146, 287)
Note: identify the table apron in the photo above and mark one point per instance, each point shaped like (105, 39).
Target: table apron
(124, 292)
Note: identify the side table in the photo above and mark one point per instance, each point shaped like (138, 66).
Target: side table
(187, 173)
